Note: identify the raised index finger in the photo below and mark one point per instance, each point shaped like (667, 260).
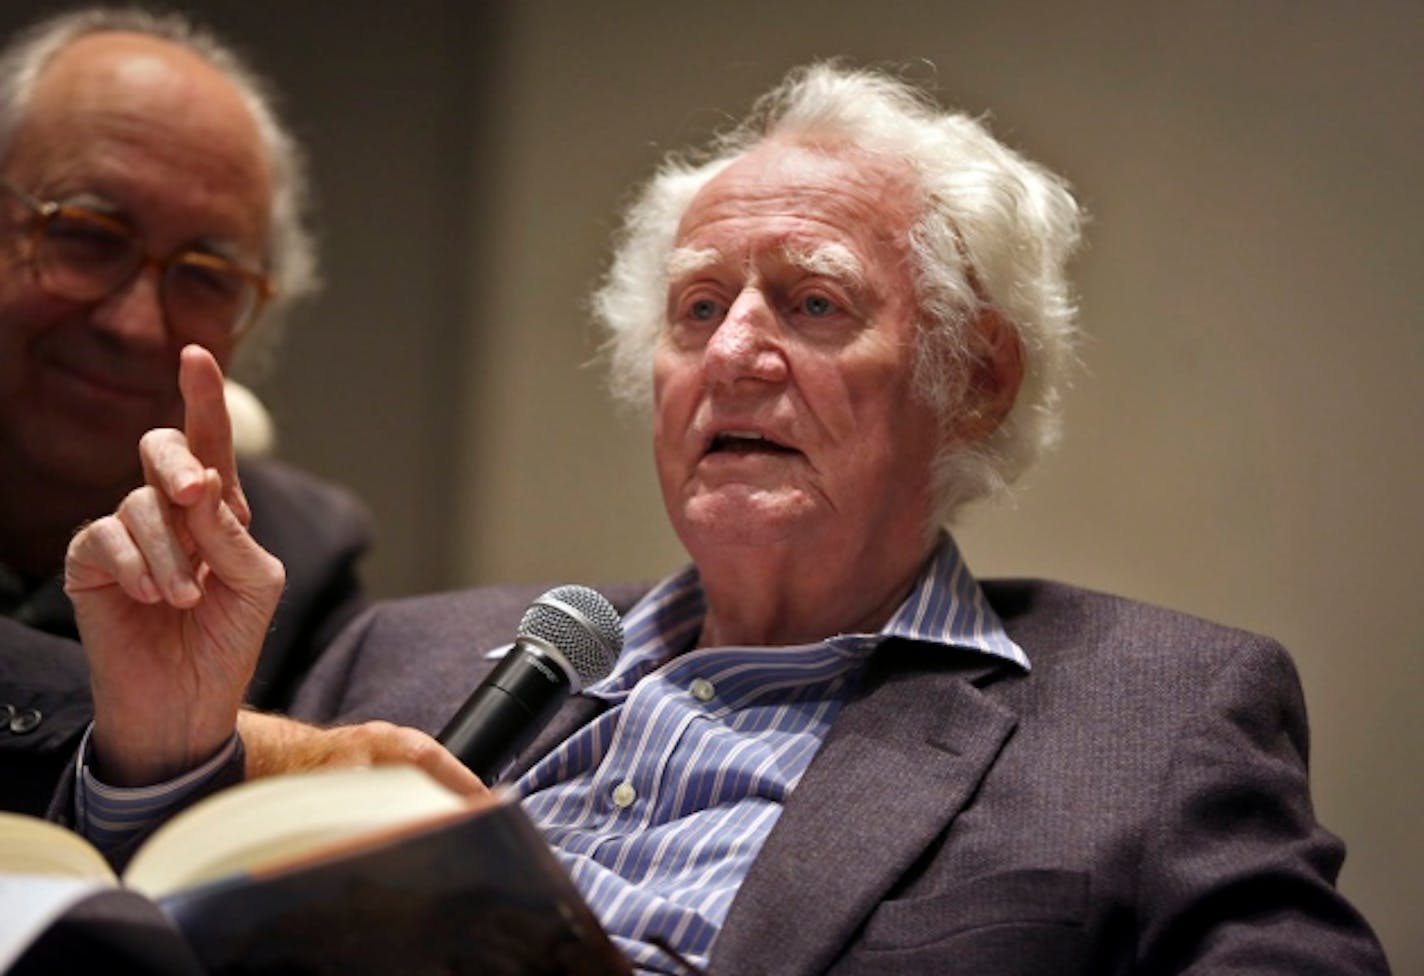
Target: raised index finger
(207, 424)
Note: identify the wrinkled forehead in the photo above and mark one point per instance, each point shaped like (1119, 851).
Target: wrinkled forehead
(153, 129)
(833, 211)
(143, 92)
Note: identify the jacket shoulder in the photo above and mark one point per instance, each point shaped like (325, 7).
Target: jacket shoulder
(290, 506)
(1056, 621)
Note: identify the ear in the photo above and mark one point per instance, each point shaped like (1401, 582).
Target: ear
(997, 373)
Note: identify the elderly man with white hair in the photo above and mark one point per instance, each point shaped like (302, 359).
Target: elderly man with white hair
(825, 746)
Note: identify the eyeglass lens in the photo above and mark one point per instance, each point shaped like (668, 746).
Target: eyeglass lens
(85, 257)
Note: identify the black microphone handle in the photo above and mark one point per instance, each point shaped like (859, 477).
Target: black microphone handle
(507, 710)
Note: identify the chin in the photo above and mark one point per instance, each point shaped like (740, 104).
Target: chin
(746, 519)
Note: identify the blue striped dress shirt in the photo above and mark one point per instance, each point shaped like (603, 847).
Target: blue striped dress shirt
(658, 806)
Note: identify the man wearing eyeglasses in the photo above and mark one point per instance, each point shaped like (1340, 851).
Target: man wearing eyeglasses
(149, 199)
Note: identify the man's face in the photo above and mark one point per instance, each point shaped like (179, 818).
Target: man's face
(147, 133)
(782, 382)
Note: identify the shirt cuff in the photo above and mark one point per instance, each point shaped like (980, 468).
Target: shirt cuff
(110, 815)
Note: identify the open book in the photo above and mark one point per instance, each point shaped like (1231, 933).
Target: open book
(373, 870)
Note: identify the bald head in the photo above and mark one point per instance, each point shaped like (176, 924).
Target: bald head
(111, 104)
(154, 81)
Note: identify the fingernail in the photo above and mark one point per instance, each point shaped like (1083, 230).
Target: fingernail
(148, 590)
(186, 592)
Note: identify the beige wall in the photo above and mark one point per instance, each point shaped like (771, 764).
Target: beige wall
(1242, 438)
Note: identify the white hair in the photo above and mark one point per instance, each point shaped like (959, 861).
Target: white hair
(993, 232)
(291, 252)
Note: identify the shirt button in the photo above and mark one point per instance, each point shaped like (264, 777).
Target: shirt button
(702, 689)
(624, 795)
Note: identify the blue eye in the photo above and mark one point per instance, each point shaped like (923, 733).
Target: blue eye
(818, 306)
(703, 310)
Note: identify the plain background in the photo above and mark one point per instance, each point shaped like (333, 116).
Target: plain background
(1242, 439)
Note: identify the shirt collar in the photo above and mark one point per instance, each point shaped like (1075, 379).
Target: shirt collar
(945, 608)
(948, 607)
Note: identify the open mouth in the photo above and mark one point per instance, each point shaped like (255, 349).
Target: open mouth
(746, 442)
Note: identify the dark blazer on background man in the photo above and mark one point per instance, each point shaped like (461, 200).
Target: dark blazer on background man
(1137, 803)
(317, 529)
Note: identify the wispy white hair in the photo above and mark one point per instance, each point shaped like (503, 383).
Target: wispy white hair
(291, 253)
(993, 232)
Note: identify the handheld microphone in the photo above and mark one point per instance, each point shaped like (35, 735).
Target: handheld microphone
(567, 640)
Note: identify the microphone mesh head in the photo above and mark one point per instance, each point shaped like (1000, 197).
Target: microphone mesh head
(582, 624)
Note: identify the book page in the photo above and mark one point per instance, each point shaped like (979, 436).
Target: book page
(29, 904)
(29, 845)
(260, 823)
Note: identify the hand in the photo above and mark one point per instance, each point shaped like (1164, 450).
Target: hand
(275, 744)
(172, 596)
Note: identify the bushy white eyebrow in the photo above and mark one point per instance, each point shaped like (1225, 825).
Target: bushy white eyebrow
(685, 261)
(829, 260)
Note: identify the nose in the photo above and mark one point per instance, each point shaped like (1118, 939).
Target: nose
(746, 345)
(133, 312)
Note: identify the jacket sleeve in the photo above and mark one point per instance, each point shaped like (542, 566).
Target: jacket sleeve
(1237, 875)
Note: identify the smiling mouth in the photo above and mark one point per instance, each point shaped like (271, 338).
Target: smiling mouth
(744, 442)
(104, 385)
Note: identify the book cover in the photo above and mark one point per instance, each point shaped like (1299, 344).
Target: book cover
(244, 884)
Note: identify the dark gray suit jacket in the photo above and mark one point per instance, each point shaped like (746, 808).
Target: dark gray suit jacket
(1138, 803)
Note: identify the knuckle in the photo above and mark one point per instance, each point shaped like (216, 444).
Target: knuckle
(421, 749)
(106, 533)
(84, 534)
(269, 574)
(86, 539)
(276, 574)
(367, 737)
(103, 546)
(388, 742)
(140, 498)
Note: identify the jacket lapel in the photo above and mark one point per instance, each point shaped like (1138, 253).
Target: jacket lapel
(897, 765)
